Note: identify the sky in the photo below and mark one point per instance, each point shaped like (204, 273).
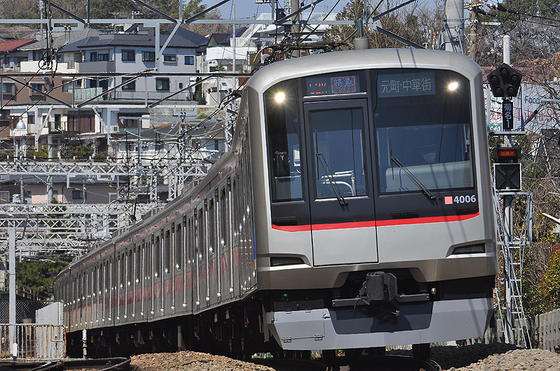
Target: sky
(247, 9)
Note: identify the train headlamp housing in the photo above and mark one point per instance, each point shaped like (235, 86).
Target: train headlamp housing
(278, 261)
(469, 249)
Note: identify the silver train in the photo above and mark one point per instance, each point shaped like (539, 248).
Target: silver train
(353, 211)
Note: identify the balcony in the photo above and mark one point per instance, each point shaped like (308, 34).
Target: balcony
(95, 67)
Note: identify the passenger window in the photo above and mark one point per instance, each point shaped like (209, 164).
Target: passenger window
(167, 252)
(178, 247)
(157, 256)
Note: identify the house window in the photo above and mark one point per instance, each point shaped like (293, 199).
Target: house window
(77, 194)
(171, 58)
(37, 55)
(103, 57)
(93, 57)
(128, 55)
(37, 88)
(162, 83)
(129, 120)
(8, 88)
(148, 56)
(189, 60)
(131, 86)
(66, 86)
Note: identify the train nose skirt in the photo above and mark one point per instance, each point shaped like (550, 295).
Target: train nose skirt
(362, 326)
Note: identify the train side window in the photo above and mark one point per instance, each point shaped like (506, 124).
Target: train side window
(167, 252)
(137, 260)
(223, 219)
(283, 135)
(189, 242)
(200, 233)
(89, 287)
(129, 267)
(178, 247)
(94, 282)
(107, 278)
(101, 280)
(122, 271)
(211, 227)
(83, 287)
(148, 260)
(157, 256)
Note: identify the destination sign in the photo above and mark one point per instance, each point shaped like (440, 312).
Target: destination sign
(406, 84)
(325, 85)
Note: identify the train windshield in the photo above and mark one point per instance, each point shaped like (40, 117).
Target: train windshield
(422, 121)
(284, 142)
(415, 124)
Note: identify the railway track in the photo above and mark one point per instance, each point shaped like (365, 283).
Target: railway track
(384, 363)
(100, 364)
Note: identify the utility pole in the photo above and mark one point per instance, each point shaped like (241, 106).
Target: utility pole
(12, 294)
(296, 28)
(453, 32)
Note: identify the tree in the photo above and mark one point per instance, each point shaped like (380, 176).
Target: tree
(38, 276)
(107, 9)
(550, 285)
(19, 9)
(193, 7)
(403, 22)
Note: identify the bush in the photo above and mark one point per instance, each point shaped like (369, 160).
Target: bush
(550, 284)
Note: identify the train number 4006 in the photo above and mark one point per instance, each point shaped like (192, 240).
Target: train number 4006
(463, 199)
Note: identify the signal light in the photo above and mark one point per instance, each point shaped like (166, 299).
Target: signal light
(507, 154)
(507, 172)
(504, 81)
(507, 176)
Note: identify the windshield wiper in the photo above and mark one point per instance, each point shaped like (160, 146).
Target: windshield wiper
(414, 179)
(332, 182)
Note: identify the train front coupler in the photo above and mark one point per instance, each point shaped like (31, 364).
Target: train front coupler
(380, 291)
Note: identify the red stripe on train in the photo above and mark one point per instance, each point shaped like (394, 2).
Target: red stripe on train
(373, 223)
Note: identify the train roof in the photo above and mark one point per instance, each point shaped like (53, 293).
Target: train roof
(362, 59)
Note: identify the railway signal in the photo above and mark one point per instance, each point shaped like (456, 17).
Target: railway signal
(504, 81)
(507, 171)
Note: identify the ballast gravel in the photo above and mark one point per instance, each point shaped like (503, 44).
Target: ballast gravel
(195, 361)
(476, 357)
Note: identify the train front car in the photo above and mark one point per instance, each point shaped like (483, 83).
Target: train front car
(375, 222)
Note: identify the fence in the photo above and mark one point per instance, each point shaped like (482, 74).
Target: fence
(544, 330)
(34, 341)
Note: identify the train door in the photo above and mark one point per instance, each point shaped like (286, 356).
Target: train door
(341, 201)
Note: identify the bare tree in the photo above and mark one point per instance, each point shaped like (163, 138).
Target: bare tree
(416, 22)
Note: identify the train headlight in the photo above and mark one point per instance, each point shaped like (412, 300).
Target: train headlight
(453, 86)
(280, 97)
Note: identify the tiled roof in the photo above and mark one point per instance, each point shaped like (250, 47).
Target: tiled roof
(13, 45)
(179, 40)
